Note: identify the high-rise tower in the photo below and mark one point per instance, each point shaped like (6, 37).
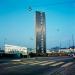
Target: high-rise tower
(40, 29)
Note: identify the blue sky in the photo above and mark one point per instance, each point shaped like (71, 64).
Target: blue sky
(17, 23)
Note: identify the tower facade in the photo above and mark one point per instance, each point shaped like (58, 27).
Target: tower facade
(40, 29)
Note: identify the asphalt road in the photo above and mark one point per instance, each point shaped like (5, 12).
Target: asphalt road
(33, 66)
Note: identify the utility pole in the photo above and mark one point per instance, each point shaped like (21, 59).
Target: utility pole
(4, 44)
(60, 44)
(5, 41)
(73, 41)
(69, 43)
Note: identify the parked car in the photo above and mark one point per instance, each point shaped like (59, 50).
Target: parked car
(73, 55)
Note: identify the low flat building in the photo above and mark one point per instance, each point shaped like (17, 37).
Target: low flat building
(67, 50)
(12, 49)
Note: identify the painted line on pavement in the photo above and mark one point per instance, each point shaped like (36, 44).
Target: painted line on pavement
(47, 63)
(38, 62)
(16, 60)
(56, 64)
(68, 64)
(14, 66)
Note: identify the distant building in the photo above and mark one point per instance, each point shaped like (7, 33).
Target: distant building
(40, 29)
(67, 50)
(48, 51)
(12, 49)
(30, 50)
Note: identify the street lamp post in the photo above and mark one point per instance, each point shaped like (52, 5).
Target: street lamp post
(73, 41)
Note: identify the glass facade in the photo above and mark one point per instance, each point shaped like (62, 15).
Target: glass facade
(40, 29)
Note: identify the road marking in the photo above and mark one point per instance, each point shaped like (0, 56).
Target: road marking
(56, 64)
(68, 64)
(35, 62)
(38, 62)
(16, 60)
(14, 66)
(43, 63)
(46, 63)
(30, 63)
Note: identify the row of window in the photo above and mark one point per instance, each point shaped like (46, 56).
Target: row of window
(8, 49)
